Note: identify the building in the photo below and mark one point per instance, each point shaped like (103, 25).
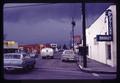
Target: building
(33, 47)
(101, 38)
(10, 46)
(77, 39)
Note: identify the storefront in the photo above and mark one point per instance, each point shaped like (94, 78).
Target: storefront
(101, 38)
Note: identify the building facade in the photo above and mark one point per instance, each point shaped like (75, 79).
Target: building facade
(101, 38)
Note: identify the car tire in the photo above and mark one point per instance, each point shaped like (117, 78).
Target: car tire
(33, 66)
(43, 57)
(30, 67)
(25, 68)
(52, 57)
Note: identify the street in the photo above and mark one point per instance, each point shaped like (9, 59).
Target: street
(55, 69)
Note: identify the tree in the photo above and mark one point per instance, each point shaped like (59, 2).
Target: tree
(64, 46)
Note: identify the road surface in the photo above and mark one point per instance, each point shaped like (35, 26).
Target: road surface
(46, 69)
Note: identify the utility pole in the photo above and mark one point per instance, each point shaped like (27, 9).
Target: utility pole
(84, 36)
(70, 39)
(73, 25)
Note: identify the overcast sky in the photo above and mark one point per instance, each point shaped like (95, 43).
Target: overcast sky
(47, 23)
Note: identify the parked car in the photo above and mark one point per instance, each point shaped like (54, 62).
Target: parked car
(69, 55)
(47, 52)
(13, 61)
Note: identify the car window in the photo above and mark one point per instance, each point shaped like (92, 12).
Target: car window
(69, 52)
(10, 50)
(12, 56)
(24, 55)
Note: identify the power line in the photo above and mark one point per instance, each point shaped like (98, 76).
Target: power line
(30, 5)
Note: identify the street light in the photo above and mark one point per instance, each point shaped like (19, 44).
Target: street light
(73, 25)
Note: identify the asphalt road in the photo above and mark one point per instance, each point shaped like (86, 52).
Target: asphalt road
(55, 69)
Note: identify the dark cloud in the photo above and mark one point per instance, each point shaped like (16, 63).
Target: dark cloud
(41, 13)
(48, 23)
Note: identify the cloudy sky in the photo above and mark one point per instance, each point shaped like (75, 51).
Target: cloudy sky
(47, 23)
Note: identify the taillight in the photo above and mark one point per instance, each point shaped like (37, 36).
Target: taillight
(23, 59)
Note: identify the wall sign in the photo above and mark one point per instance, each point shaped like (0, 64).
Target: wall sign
(108, 13)
(104, 38)
(108, 37)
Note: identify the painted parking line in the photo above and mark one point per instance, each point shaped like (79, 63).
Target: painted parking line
(94, 74)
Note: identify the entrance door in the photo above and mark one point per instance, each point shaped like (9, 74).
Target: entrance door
(108, 54)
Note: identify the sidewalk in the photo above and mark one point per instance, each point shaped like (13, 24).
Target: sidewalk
(96, 67)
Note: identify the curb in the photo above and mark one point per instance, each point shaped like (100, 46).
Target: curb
(88, 70)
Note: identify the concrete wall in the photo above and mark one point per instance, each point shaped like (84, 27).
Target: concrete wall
(97, 50)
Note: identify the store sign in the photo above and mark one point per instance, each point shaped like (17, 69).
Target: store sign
(108, 13)
(104, 38)
(108, 37)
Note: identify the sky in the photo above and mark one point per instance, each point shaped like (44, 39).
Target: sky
(31, 23)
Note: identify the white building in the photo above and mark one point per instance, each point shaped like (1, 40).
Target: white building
(103, 51)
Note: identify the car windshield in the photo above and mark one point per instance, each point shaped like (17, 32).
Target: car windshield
(12, 56)
(10, 50)
(69, 52)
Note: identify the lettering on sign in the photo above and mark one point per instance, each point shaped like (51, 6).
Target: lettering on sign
(104, 38)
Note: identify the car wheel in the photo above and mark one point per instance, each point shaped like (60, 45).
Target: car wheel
(52, 57)
(26, 68)
(30, 67)
(6, 71)
(33, 66)
(43, 57)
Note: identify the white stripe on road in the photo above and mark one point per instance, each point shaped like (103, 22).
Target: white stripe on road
(94, 74)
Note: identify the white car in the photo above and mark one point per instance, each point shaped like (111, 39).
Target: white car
(69, 55)
(14, 61)
(47, 52)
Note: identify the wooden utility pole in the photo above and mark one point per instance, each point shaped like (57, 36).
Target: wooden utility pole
(84, 36)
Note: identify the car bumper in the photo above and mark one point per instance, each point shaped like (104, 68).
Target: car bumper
(69, 59)
(12, 67)
(46, 55)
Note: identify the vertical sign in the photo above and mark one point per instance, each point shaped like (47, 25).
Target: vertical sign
(110, 23)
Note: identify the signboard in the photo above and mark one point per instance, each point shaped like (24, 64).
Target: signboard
(108, 13)
(104, 38)
(10, 44)
(108, 37)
